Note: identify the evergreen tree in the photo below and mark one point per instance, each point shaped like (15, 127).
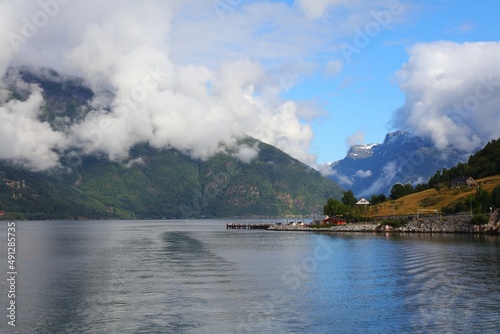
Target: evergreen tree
(376, 199)
(349, 199)
(399, 190)
(484, 163)
(481, 201)
(334, 207)
(495, 197)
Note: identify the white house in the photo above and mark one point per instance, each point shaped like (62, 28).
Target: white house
(363, 201)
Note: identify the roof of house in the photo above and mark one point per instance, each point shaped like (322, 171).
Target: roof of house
(335, 219)
(461, 179)
(362, 201)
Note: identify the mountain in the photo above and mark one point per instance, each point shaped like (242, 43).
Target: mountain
(151, 182)
(402, 157)
(167, 184)
(445, 197)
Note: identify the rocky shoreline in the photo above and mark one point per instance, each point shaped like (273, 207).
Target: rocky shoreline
(448, 224)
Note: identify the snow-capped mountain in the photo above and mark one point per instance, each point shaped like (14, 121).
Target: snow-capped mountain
(402, 157)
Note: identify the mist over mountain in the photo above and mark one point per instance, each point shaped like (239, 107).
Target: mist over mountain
(402, 157)
(72, 179)
(190, 75)
(153, 81)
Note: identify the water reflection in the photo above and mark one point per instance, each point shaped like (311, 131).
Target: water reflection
(56, 274)
(170, 277)
(447, 288)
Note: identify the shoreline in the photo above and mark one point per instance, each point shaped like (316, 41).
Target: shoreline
(436, 225)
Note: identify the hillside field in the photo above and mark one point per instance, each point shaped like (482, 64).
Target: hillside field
(429, 200)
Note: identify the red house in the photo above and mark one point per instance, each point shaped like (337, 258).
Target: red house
(335, 221)
(1, 213)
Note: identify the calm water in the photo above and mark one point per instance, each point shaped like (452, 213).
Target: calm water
(197, 277)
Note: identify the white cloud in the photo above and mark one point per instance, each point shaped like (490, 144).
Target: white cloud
(247, 153)
(452, 93)
(135, 162)
(343, 180)
(357, 138)
(389, 172)
(363, 174)
(325, 169)
(24, 139)
(179, 77)
(6, 30)
(161, 95)
(334, 67)
(314, 9)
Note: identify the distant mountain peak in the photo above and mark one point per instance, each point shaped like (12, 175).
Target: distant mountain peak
(396, 135)
(402, 157)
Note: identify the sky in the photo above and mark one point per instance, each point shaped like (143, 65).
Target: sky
(311, 77)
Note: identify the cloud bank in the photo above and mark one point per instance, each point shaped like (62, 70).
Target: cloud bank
(452, 93)
(162, 75)
(191, 75)
(183, 74)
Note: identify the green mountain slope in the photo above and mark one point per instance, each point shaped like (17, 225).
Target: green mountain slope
(168, 184)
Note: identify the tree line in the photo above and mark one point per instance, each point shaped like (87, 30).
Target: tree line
(345, 207)
(484, 163)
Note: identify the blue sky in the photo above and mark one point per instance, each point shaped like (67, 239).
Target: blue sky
(310, 77)
(360, 100)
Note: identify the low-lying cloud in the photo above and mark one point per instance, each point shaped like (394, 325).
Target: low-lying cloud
(363, 173)
(24, 138)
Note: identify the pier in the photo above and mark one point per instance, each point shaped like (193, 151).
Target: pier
(247, 226)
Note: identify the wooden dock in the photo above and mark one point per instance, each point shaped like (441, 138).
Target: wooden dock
(247, 226)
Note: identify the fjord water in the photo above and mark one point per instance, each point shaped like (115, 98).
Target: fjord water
(198, 277)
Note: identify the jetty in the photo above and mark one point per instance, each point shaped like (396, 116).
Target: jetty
(235, 226)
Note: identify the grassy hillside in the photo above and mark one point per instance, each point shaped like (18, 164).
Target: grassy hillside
(431, 199)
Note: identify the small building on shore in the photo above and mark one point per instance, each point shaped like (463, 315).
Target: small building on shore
(326, 220)
(335, 221)
(319, 219)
